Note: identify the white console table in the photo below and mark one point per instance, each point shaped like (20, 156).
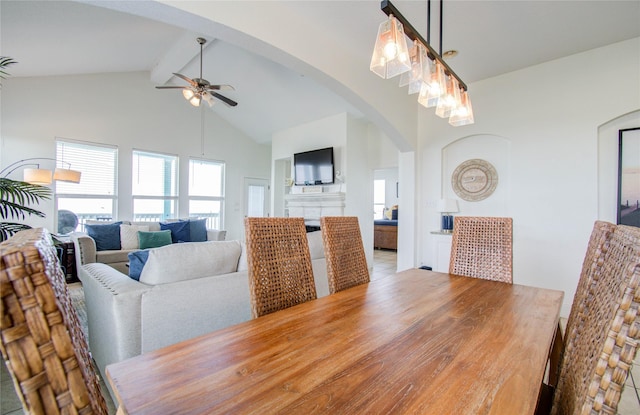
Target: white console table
(441, 251)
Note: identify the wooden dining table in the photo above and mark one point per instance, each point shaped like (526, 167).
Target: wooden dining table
(415, 342)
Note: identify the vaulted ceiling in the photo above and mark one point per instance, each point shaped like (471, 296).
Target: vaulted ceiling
(50, 38)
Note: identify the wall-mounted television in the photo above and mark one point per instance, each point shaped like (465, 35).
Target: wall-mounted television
(314, 167)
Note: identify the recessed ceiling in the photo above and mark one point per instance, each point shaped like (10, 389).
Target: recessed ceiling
(51, 38)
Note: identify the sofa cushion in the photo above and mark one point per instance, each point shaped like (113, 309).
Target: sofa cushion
(112, 256)
(129, 236)
(190, 260)
(180, 231)
(198, 230)
(106, 236)
(154, 239)
(137, 261)
(316, 248)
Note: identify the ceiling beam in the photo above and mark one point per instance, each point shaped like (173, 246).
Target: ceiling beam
(184, 50)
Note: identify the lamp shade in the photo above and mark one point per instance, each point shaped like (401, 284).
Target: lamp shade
(37, 176)
(67, 175)
(448, 206)
(420, 72)
(390, 54)
(431, 91)
(463, 115)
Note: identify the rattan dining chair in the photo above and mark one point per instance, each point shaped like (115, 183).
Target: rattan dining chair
(594, 257)
(605, 331)
(42, 342)
(344, 252)
(279, 264)
(482, 247)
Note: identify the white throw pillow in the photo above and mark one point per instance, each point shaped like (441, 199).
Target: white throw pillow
(129, 236)
(242, 263)
(190, 260)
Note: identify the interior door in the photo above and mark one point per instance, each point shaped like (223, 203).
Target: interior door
(256, 196)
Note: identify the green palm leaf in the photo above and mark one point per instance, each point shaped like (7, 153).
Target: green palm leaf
(15, 196)
(4, 62)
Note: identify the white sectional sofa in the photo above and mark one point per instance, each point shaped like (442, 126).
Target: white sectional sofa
(185, 290)
(86, 250)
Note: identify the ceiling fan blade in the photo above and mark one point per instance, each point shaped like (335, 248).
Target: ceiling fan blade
(224, 99)
(191, 81)
(170, 87)
(221, 87)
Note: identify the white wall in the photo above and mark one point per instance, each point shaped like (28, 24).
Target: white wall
(349, 138)
(127, 111)
(549, 117)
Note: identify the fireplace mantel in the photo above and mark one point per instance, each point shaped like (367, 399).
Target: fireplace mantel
(311, 206)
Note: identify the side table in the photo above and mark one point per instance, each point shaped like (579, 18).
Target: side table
(68, 261)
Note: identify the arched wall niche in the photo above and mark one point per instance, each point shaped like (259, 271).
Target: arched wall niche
(491, 148)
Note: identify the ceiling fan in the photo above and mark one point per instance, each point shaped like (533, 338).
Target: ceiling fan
(200, 89)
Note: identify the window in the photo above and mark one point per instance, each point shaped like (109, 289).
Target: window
(94, 198)
(154, 186)
(206, 191)
(379, 194)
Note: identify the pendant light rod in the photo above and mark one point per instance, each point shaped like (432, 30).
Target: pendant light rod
(429, 21)
(441, 14)
(412, 33)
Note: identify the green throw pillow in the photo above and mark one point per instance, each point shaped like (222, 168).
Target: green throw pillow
(154, 239)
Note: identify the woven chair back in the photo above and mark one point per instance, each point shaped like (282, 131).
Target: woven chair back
(593, 260)
(42, 341)
(482, 247)
(602, 344)
(344, 252)
(279, 263)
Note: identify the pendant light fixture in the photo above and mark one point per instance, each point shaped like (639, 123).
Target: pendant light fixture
(423, 70)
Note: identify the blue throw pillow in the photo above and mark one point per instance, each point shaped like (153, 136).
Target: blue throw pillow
(179, 230)
(137, 259)
(198, 230)
(107, 237)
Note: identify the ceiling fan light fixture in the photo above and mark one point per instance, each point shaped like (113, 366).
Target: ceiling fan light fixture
(208, 98)
(187, 93)
(200, 88)
(195, 100)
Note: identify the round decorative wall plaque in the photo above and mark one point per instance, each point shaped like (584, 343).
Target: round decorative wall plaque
(474, 180)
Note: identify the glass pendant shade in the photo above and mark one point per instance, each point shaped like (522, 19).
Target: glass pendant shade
(195, 100)
(187, 94)
(208, 98)
(37, 176)
(420, 69)
(430, 93)
(66, 175)
(448, 102)
(390, 54)
(463, 115)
